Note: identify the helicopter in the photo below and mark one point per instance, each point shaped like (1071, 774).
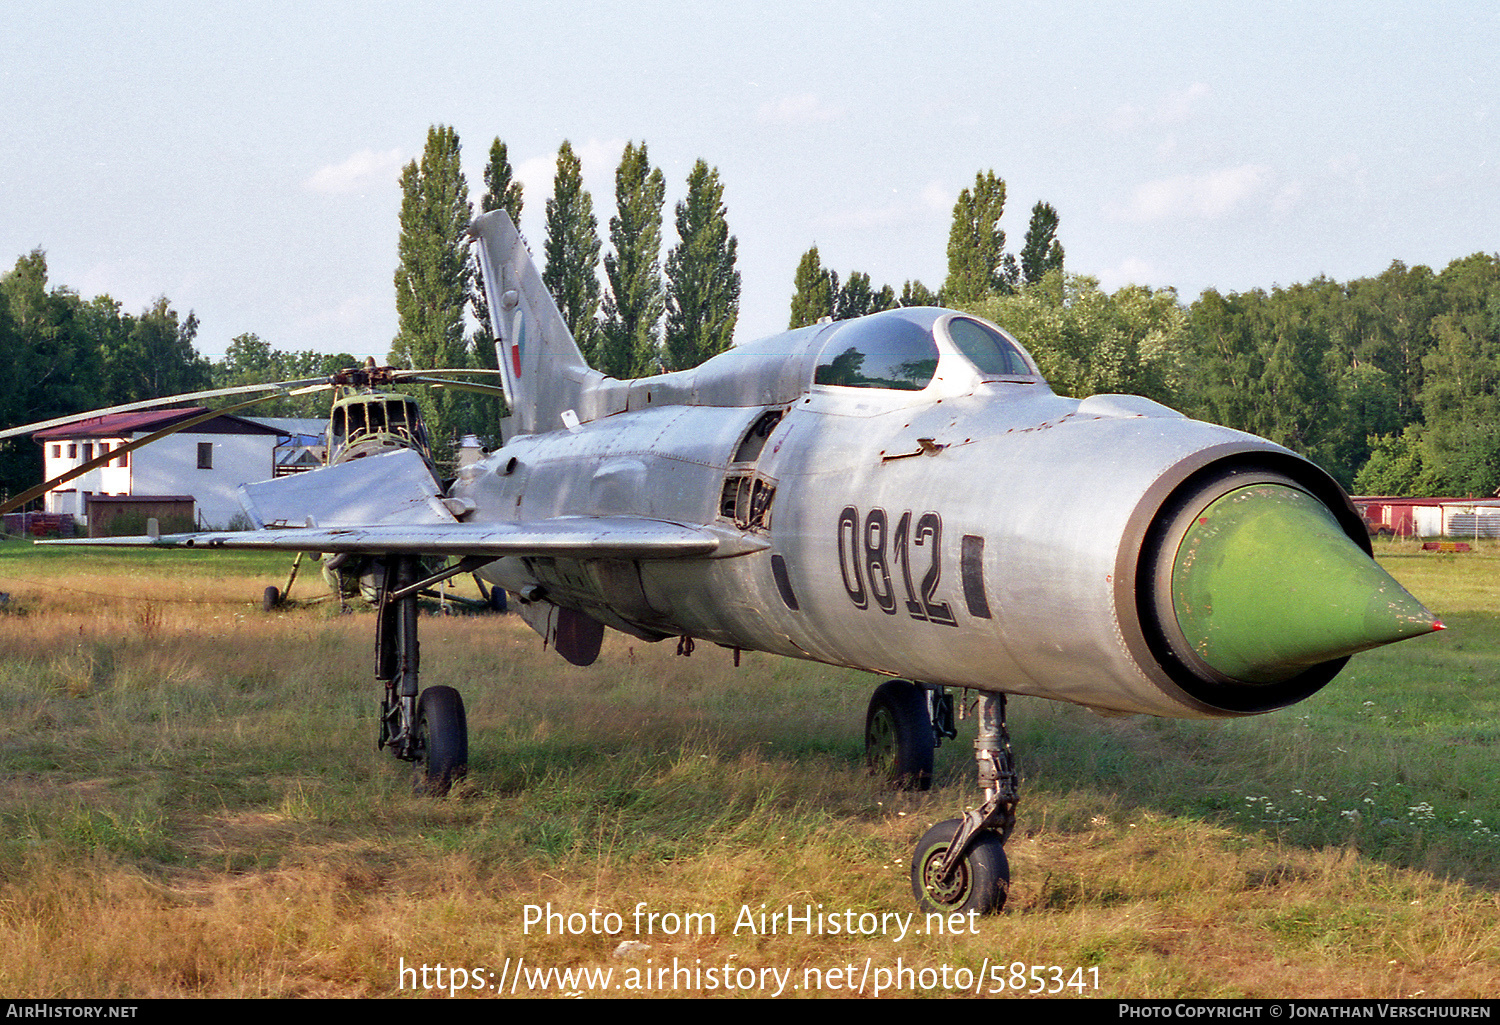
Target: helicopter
(367, 419)
(901, 494)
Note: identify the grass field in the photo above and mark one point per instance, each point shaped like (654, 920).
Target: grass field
(191, 804)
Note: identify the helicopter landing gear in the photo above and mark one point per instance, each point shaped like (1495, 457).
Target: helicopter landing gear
(428, 728)
(274, 597)
(960, 864)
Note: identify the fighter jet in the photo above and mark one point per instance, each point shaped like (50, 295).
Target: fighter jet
(901, 494)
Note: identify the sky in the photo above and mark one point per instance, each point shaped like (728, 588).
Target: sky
(243, 159)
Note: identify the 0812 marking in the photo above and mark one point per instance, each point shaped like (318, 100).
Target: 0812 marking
(865, 564)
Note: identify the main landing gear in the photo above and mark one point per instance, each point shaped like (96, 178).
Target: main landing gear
(428, 729)
(903, 727)
(959, 865)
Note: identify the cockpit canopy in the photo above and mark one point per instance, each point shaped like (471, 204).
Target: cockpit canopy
(900, 350)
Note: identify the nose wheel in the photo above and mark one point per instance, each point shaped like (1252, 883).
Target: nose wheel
(979, 881)
(960, 865)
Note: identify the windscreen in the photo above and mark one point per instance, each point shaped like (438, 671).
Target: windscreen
(994, 354)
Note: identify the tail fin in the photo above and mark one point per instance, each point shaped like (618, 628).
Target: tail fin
(544, 374)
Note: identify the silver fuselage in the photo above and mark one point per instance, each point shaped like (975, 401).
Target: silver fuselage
(981, 532)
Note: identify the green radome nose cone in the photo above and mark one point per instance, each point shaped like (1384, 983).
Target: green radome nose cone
(1266, 585)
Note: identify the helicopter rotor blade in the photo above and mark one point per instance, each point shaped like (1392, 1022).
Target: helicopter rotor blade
(482, 389)
(444, 370)
(277, 388)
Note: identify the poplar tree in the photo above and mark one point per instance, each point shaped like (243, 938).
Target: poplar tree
(914, 293)
(815, 289)
(977, 262)
(1042, 252)
(703, 287)
(572, 250)
(635, 304)
(432, 282)
(501, 192)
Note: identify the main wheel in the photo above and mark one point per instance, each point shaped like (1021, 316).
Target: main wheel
(442, 741)
(980, 881)
(898, 735)
(270, 599)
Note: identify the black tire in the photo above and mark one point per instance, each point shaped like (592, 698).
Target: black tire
(442, 741)
(497, 600)
(270, 599)
(898, 736)
(980, 882)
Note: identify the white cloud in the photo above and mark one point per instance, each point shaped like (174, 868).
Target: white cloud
(1207, 196)
(1130, 271)
(1287, 198)
(361, 171)
(348, 316)
(797, 111)
(535, 175)
(1173, 108)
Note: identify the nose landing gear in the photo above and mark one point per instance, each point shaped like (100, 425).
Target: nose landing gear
(960, 864)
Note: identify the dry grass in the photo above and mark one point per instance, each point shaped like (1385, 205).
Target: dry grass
(191, 804)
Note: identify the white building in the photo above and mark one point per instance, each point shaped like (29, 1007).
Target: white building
(208, 461)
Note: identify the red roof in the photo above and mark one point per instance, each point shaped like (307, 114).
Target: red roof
(119, 425)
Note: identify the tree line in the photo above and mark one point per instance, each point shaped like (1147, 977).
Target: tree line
(1391, 383)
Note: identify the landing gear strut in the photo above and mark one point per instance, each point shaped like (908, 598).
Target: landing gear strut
(428, 729)
(960, 864)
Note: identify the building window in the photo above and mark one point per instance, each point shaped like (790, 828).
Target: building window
(56, 451)
(88, 451)
(72, 450)
(205, 455)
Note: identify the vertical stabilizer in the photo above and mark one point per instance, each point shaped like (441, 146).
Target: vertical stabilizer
(544, 373)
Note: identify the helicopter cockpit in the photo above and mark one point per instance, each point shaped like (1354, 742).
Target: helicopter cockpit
(367, 424)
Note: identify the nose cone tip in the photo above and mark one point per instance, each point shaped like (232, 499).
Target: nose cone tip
(1266, 585)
